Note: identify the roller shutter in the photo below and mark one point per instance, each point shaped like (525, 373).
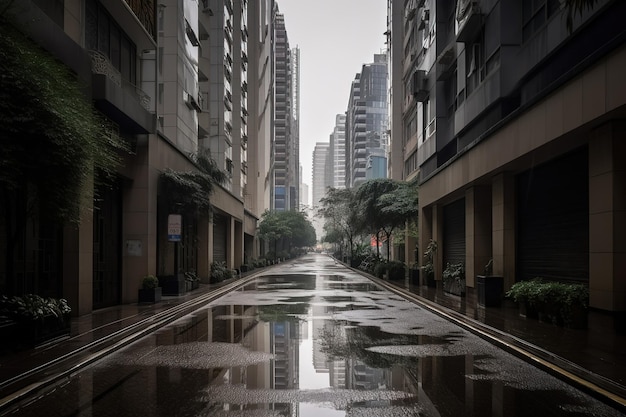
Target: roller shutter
(454, 232)
(553, 220)
(219, 238)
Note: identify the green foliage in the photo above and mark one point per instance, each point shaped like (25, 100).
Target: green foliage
(537, 291)
(387, 205)
(454, 273)
(395, 270)
(290, 228)
(429, 255)
(33, 307)
(190, 191)
(343, 221)
(149, 281)
(558, 301)
(52, 140)
(219, 272)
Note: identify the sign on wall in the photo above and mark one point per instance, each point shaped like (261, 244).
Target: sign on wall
(174, 227)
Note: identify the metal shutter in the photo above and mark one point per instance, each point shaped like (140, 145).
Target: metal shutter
(219, 238)
(553, 220)
(454, 233)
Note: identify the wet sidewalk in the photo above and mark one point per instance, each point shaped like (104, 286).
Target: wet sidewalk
(596, 354)
(594, 358)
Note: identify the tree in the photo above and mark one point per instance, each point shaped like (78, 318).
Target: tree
(387, 205)
(340, 211)
(289, 228)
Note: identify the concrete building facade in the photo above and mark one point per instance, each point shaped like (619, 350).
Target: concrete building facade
(285, 162)
(175, 79)
(515, 124)
(366, 123)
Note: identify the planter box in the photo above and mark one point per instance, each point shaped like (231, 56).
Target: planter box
(149, 295)
(454, 288)
(414, 276)
(172, 285)
(490, 290)
(29, 333)
(429, 280)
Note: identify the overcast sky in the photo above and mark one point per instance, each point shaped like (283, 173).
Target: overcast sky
(335, 37)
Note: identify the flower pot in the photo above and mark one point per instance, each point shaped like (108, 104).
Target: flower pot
(149, 295)
(414, 276)
(172, 284)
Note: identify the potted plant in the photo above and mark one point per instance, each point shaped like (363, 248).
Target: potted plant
(489, 287)
(454, 278)
(428, 269)
(150, 291)
(192, 281)
(563, 304)
(37, 319)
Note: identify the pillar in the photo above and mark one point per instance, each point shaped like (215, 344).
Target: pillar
(503, 227)
(607, 217)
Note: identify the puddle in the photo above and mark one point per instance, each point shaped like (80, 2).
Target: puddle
(328, 343)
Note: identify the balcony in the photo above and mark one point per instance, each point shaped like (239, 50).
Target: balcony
(469, 20)
(123, 102)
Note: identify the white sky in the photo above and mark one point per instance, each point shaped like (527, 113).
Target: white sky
(335, 37)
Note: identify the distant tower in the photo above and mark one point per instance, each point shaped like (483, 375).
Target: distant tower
(285, 182)
(338, 152)
(366, 124)
(320, 181)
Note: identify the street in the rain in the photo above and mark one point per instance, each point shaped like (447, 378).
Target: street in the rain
(311, 337)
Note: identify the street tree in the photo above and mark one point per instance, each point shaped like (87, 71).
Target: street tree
(341, 213)
(286, 230)
(387, 205)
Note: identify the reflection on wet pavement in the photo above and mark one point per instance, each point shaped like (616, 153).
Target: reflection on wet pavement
(314, 339)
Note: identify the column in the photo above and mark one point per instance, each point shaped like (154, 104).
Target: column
(607, 217)
(503, 227)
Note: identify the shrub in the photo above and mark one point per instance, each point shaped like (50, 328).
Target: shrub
(396, 270)
(33, 307)
(149, 281)
(557, 301)
(219, 272)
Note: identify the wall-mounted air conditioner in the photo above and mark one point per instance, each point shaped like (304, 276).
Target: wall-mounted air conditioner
(420, 93)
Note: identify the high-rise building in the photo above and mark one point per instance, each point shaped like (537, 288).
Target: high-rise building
(366, 124)
(173, 80)
(515, 122)
(320, 169)
(285, 182)
(338, 152)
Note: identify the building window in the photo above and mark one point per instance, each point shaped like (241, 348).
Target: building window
(102, 34)
(535, 14)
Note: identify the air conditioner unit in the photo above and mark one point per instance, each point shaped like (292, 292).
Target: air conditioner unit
(420, 93)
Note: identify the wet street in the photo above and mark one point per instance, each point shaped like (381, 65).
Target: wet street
(312, 338)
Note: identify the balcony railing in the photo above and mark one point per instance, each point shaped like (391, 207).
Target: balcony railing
(100, 64)
(144, 10)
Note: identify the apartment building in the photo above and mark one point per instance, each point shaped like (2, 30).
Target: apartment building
(366, 124)
(338, 152)
(515, 123)
(285, 175)
(173, 79)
